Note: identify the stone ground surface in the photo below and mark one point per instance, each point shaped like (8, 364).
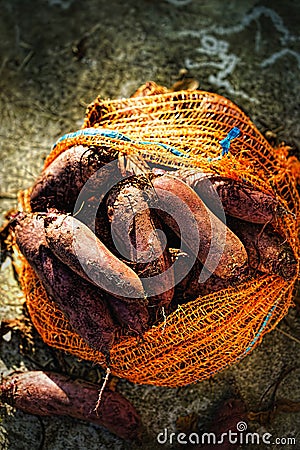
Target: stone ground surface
(246, 50)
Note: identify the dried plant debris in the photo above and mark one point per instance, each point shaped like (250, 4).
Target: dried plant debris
(275, 405)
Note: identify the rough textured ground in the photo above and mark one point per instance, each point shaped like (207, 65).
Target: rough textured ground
(56, 57)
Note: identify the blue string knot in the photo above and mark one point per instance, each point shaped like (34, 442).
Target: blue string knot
(225, 143)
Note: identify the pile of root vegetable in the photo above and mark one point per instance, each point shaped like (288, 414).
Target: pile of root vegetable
(118, 244)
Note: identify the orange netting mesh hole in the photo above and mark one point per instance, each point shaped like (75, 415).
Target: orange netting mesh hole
(204, 336)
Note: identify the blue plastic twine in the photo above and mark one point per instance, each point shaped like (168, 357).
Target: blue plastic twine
(112, 134)
(225, 143)
(105, 132)
(262, 327)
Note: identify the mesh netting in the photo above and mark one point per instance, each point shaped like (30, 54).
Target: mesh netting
(202, 337)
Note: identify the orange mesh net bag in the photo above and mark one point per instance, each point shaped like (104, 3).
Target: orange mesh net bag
(212, 332)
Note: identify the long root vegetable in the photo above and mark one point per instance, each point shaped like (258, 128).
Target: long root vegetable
(83, 304)
(60, 183)
(190, 286)
(239, 199)
(52, 394)
(267, 250)
(227, 256)
(78, 247)
(134, 226)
